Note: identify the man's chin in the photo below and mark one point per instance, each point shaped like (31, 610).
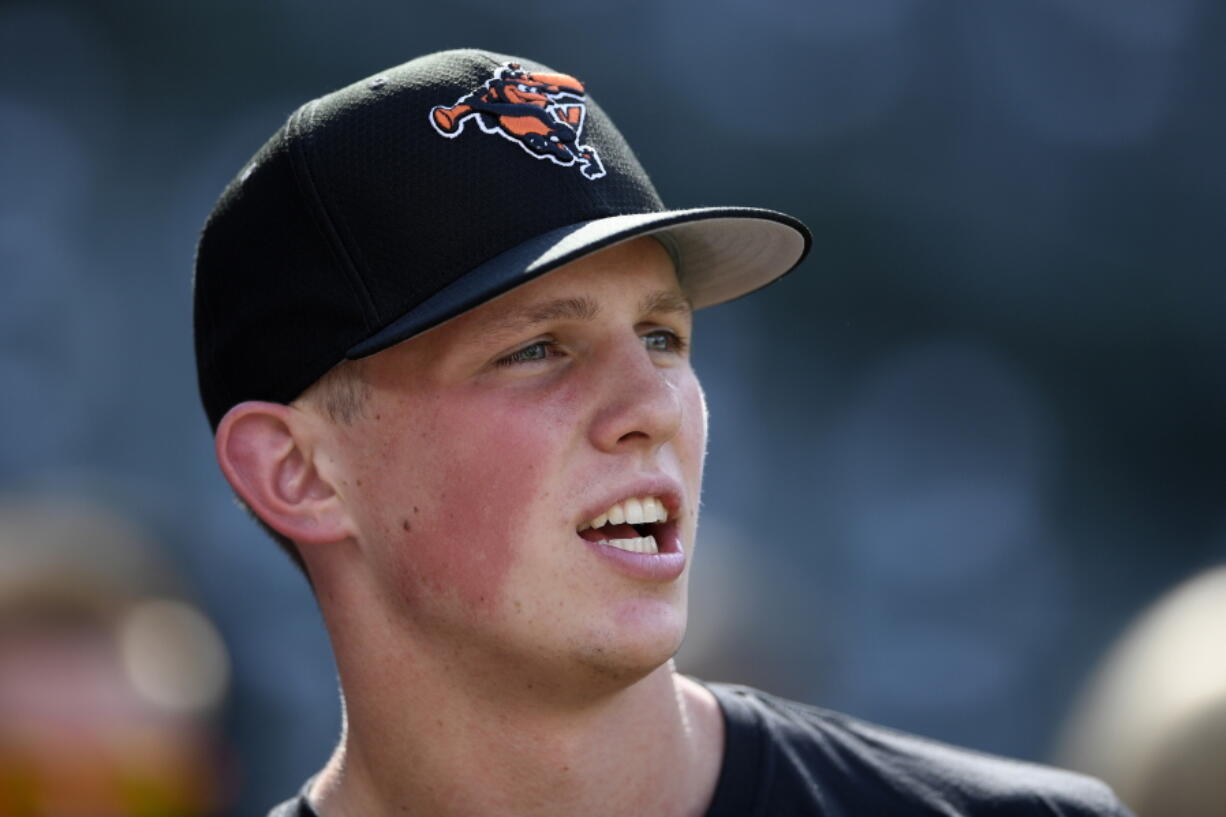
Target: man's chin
(623, 658)
(609, 675)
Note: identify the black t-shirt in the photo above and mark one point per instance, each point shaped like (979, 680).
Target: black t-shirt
(784, 759)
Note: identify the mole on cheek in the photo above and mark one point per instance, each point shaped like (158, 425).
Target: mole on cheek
(404, 523)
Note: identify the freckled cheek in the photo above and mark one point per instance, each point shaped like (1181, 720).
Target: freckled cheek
(483, 500)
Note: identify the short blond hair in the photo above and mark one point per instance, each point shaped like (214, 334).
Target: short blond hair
(342, 393)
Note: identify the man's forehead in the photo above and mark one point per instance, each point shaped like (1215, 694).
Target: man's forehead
(641, 269)
(639, 274)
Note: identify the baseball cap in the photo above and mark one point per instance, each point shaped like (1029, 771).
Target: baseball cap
(387, 207)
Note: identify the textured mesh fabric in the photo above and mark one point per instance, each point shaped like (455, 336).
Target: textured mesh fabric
(416, 210)
(336, 237)
(269, 306)
(358, 210)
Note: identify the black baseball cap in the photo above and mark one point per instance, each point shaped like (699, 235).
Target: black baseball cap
(387, 207)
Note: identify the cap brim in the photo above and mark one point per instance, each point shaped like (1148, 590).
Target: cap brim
(721, 253)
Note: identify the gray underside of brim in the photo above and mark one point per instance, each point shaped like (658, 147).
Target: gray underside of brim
(721, 254)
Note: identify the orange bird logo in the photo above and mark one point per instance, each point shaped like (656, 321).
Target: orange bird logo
(542, 113)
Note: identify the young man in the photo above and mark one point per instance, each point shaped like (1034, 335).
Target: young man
(442, 331)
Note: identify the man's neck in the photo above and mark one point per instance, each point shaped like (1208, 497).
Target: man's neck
(653, 747)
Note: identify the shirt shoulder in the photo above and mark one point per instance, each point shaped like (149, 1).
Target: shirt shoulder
(788, 758)
(297, 806)
(294, 807)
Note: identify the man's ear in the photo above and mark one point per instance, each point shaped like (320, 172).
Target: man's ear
(266, 454)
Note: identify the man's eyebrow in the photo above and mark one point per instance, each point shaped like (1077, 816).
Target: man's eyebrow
(666, 300)
(577, 309)
(585, 309)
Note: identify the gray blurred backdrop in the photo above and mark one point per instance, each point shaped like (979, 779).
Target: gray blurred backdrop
(950, 457)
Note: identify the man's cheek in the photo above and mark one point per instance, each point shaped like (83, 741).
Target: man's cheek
(694, 424)
(484, 504)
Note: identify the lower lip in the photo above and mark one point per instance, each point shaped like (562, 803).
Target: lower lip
(665, 566)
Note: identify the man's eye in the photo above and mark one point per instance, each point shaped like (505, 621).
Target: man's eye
(663, 340)
(537, 351)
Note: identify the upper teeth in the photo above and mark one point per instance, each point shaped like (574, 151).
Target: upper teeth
(635, 511)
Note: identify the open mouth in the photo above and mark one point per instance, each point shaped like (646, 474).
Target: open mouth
(636, 525)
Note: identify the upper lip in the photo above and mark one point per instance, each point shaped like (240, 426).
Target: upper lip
(662, 488)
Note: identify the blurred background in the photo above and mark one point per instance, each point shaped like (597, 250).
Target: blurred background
(959, 462)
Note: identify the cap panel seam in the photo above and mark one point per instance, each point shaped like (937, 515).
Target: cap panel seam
(307, 186)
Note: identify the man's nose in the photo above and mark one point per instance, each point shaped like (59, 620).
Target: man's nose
(640, 403)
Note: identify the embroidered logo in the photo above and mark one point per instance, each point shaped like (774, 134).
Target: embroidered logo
(543, 113)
